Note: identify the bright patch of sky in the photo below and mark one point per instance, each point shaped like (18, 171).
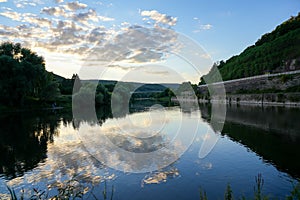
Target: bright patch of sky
(120, 36)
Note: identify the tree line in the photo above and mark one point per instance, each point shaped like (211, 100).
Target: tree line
(23, 78)
(277, 51)
(25, 82)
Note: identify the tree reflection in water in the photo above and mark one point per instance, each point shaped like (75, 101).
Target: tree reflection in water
(23, 141)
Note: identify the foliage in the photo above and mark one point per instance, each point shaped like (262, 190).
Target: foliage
(203, 195)
(71, 189)
(295, 193)
(121, 94)
(102, 95)
(167, 94)
(89, 92)
(23, 75)
(228, 193)
(184, 87)
(272, 53)
(187, 87)
(258, 189)
(258, 194)
(70, 86)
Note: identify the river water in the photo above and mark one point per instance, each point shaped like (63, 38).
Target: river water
(46, 149)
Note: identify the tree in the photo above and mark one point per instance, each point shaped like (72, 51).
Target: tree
(23, 76)
(70, 86)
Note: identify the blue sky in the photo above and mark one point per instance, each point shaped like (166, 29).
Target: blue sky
(63, 31)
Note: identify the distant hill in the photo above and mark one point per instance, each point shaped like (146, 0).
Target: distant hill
(67, 84)
(274, 52)
(139, 86)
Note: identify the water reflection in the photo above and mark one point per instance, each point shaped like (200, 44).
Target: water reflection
(47, 148)
(271, 132)
(160, 176)
(23, 141)
(25, 136)
(141, 142)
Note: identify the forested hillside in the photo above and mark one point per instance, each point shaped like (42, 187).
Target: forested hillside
(274, 52)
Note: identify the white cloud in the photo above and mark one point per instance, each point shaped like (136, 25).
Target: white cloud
(203, 27)
(90, 16)
(205, 56)
(137, 44)
(200, 27)
(12, 15)
(160, 18)
(8, 31)
(1, 1)
(97, 35)
(73, 6)
(54, 11)
(77, 33)
(105, 19)
(24, 3)
(6, 8)
(124, 68)
(206, 26)
(42, 22)
(86, 16)
(125, 24)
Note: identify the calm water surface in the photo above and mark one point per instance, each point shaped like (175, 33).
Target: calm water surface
(44, 149)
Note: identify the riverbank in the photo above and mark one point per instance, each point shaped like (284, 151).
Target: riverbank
(272, 89)
(61, 102)
(263, 99)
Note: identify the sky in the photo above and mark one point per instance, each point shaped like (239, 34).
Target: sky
(139, 40)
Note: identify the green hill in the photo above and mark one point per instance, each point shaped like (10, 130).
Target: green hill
(278, 51)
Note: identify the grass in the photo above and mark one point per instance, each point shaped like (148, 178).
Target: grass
(70, 190)
(258, 194)
(73, 189)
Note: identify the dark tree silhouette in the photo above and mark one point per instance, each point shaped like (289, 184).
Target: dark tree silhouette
(23, 76)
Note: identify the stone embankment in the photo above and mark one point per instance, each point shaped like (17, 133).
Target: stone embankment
(269, 89)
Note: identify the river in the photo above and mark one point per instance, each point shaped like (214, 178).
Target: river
(44, 150)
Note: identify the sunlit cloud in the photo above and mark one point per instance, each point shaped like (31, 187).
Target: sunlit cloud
(73, 6)
(89, 17)
(24, 3)
(160, 176)
(1, 1)
(206, 26)
(205, 56)
(125, 68)
(62, 162)
(73, 28)
(201, 27)
(54, 11)
(12, 15)
(27, 18)
(125, 24)
(159, 18)
(6, 8)
(137, 44)
(162, 73)
(37, 21)
(105, 19)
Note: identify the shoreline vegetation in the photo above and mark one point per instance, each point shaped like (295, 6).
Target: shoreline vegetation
(266, 73)
(73, 189)
(275, 52)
